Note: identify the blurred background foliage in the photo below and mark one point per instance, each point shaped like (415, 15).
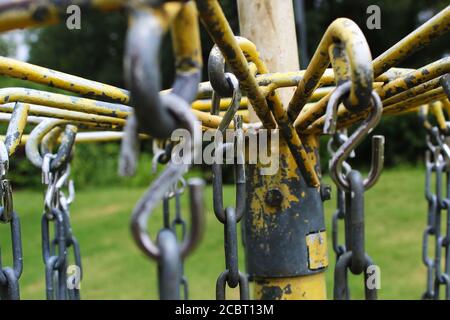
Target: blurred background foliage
(95, 52)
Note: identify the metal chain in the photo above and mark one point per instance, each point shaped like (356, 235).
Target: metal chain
(334, 143)
(351, 188)
(55, 250)
(9, 276)
(162, 156)
(437, 163)
(230, 217)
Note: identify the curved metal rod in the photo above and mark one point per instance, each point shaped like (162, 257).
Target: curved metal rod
(216, 24)
(161, 185)
(344, 151)
(16, 127)
(91, 89)
(343, 32)
(65, 149)
(62, 101)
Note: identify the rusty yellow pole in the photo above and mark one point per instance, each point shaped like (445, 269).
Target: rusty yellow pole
(285, 238)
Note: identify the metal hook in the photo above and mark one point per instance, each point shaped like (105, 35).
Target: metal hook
(216, 73)
(234, 105)
(143, 74)
(144, 208)
(163, 184)
(344, 151)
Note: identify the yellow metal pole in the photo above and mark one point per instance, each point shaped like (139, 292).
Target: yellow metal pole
(278, 204)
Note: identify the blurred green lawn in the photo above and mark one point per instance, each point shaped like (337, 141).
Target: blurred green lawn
(115, 269)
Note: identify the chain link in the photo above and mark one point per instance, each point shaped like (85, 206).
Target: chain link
(350, 196)
(334, 143)
(437, 166)
(178, 222)
(55, 249)
(9, 276)
(230, 217)
(171, 271)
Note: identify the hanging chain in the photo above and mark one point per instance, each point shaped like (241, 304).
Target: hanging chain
(351, 188)
(55, 250)
(230, 217)
(9, 276)
(162, 156)
(353, 257)
(437, 163)
(334, 143)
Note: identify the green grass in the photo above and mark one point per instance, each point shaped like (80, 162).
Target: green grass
(115, 269)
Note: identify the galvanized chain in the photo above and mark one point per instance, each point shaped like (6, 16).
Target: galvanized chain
(354, 256)
(9, 276)
(162, 155)
(437, 164)
(230, 216)
(351, 186)
(225, 83)
(334, 143)
(171, 242)
(55, 250)
(179, 223)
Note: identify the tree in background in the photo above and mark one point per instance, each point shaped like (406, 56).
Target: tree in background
(93, 52)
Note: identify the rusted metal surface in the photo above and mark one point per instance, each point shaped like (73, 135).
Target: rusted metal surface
(16, 126)
(219, 29)
(276, 232)
(56, 100)
(25, 71)
(347, 34)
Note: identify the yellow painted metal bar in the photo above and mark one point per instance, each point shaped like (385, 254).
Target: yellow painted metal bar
(90, 137)
(312, 112)
(186, 39)
(30, 72)
(393, 73)
(414, 78)
(219, 29)
(216, 24)
(419, 38)
(404, 87)
(7, 117)
(436, 110)
(435, 27)
(446, 106)
(205, 105)
(44, 111)
(421, 88)
(346, 33)
(61, 101)
(48, 105)
(427, 97)
(16, 127)
(346, 118)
